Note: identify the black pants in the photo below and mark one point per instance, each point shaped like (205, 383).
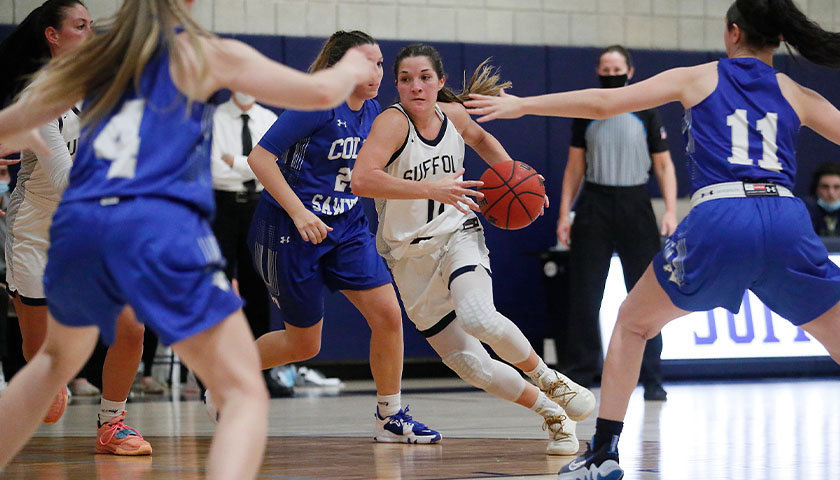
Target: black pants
(607, 220)
(233, 219)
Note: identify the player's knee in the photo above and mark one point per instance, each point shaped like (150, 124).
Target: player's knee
(479, 318)
(634, 324)
(306, 348)
(470, 368)
(387, 318)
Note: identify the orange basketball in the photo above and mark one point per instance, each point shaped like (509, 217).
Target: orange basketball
(514, 195)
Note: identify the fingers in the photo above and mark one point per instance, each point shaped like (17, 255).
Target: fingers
(487, 118)
(315, 232)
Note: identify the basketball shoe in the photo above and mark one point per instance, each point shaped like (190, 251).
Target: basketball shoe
(577, 401)
(402, 428)
(59, 405)
(599, 465)
(117, 438)
(561, 430)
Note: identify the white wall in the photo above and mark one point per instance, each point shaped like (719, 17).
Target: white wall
(658, 24)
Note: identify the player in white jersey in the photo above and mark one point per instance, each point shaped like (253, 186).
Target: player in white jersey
(412, 163)
(53, 29)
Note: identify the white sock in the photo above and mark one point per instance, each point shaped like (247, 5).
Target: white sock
(388, 404)
(542, 375)
(545, 406)
(108, 410)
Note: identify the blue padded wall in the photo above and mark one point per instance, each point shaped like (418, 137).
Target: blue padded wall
(541, 142)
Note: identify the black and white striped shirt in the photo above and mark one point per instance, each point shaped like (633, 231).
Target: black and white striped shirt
(618, 149)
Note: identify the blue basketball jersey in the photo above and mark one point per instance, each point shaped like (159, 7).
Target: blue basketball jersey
(148, 146)
(744, 131)
(316, 152)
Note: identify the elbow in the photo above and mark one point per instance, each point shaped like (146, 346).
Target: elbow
(601, 111)
(359, 186)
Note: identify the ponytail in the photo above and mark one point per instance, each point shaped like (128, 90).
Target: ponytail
(767, 22)
(485, 79)
(337, 45)
(25, 50)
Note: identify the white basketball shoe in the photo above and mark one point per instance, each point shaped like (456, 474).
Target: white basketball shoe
(577, 401)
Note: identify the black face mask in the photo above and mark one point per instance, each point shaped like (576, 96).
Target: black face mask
(612, 81)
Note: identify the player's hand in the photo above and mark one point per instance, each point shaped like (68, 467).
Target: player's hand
(364, 70)
(669, 224)
(29, 139)
(545, 202)
(491, 108)
(451, 190)
(564, 228)
(310, 227)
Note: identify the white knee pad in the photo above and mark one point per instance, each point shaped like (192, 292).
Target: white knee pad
(479, 318)
(469, 367)
(487, 374)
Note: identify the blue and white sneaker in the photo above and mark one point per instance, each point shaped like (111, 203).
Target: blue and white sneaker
(401, 428)
(599, 465)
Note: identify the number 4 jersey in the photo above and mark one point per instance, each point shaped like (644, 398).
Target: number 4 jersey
(150, 145)
(744, 131)
(316, 152)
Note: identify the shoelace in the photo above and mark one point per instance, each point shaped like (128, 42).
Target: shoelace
(557, 432)
(560, 390)
(114, 429)
(405, 417)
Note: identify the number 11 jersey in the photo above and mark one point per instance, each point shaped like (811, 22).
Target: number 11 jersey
(745, 130)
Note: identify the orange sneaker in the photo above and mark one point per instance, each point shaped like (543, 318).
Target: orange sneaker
(117, 438)
(59, 405)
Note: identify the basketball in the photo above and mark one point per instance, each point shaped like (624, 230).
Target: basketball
(514, 195)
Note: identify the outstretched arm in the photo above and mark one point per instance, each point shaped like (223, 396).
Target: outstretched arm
(687, 85)
(237, 66)
(483, 142)
(814, 111)
(370, 179)
(19, 122)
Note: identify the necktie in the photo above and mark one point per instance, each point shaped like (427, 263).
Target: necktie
(247, 145)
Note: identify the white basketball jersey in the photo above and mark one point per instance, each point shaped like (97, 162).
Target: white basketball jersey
(403, 223)
(62, 133)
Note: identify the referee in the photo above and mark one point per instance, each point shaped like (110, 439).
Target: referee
(612, 159)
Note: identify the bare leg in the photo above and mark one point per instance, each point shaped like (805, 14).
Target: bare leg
(642, 315)
(293, 344)
(382, 311)
(30, 393)
(123, 357)
(826, 329)
(33, 326)
(225, 359)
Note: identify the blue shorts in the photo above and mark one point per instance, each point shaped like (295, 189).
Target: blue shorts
(764, 244)
(297, 272)
(157, 256)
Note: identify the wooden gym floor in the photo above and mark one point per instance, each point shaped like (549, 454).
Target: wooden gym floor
(747, 430)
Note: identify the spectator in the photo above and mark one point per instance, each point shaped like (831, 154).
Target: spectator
(824, 207)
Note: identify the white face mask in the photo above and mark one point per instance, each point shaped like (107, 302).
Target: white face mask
(243, 99)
